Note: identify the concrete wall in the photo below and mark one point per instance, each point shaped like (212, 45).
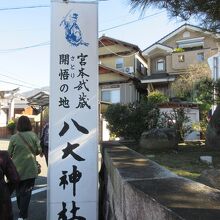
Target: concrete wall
(133, 187)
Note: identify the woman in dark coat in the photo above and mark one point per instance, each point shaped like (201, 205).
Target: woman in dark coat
(8, 170)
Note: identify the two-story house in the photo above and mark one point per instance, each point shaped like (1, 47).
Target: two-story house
(120, 66)
(173, 54)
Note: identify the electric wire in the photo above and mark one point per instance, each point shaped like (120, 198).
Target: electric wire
(25, 7)
(130, 22)
(48, 43)
(13, 78)
(17, 84)
(24, 48)
(124, 56)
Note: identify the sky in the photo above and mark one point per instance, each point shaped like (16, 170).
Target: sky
(25, 36)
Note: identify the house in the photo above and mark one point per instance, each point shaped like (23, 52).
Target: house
(120, 67)
(172, 55)
(12, 105)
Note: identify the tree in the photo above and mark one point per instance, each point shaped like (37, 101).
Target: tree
(178, 120)
(129, 121)
(208, 91)
(206, 11)
(184, 86)
(117, 116)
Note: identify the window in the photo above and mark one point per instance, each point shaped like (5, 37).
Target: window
(160, 65)
(191, 44)
(119, 63)
(141, 68)
(111, 95)
(181, 58)
(200, 57)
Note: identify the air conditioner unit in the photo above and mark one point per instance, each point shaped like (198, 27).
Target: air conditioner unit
(129, 69)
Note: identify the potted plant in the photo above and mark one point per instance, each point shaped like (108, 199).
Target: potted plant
(178, 50)
(11, 126)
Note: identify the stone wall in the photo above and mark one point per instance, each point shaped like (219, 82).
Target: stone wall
(133, 187)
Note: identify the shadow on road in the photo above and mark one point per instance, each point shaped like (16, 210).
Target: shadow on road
(38, 204)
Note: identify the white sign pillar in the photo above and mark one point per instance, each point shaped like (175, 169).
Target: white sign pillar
(73, 137)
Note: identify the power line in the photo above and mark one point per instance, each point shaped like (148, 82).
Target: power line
(24, 48)
(17, 79)
(31, 7)
(117, 53)
(132, 21)
(17, 84)
(48, 43)
(25, 7)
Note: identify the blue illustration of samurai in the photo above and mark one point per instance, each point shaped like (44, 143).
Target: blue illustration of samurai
(73, 33)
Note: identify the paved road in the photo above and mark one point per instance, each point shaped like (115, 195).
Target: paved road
(37, 209)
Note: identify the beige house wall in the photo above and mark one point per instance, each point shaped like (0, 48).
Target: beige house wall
(128, 92)
(209, 41)
(173, 66)
(190, 58)
(111, 77)
(169, 64)
(112, 49)
(153, 68)
(111, 61)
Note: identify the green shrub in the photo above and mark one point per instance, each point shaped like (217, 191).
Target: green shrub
(117, 117)
(11, 126)
(129, 121)
(178, 50)
(157, 97)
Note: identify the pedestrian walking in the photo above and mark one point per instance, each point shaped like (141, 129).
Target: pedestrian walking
(23, 148)
(44, 141)
(7, 172)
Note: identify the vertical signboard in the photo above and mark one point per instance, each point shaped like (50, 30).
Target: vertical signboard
(72, 176)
